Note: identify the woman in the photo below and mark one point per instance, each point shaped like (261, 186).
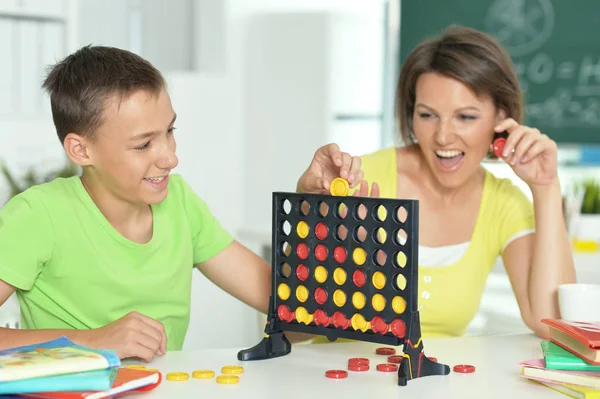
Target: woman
(454, 95)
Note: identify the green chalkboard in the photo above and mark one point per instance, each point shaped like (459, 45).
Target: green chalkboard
(555, 47)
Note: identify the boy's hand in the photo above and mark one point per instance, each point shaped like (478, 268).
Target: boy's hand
(327, 164)
(133, 335)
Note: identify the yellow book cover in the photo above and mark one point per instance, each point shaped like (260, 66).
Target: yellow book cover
(574, 391)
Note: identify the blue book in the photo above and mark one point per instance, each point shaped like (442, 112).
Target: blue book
(59, 357)
(96, 380)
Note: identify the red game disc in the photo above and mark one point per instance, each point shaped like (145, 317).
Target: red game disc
(358, 360)
(387, 367)
(336, 374)
(358, 367)
(398, 328)
(320, 295)
(464, 368)
(433, 359)
(285, 313)
(321, 318)
(378, 325)
(385, 351)
(498, 146)
(302, 272)
(358, 278)
(321, 252)
(395, 359)
(339, 320)
(302, 250)
(339, 254)
(321, 231)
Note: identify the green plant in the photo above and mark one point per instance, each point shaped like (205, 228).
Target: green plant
(32, 177)
(590, 203)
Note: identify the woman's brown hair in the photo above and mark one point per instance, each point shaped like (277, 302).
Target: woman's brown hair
(467, 55)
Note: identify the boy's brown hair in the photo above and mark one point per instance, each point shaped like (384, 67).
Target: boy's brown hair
(469, 56)
(80, 85)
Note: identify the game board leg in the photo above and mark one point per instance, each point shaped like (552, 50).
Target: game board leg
(273, 345)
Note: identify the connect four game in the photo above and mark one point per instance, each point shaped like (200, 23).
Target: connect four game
(346, 267)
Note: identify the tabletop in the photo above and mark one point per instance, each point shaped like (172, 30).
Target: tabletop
(301, 373)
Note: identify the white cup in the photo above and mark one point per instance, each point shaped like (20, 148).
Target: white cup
(579, 302)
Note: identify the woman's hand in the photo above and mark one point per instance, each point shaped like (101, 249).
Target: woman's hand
(327, 164)
(531, 154)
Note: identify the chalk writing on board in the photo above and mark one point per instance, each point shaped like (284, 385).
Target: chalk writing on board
(575, 102)
(522, 26)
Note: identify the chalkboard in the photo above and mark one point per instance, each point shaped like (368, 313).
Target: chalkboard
(555, 47)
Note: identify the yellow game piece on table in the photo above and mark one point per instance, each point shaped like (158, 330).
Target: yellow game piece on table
(339, 187)
(203, 374)
(177, 376)
(232, 370)
(136, 367)
(153, 370)
(228, 379)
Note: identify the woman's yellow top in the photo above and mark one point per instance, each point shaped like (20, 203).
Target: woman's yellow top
(449, 295)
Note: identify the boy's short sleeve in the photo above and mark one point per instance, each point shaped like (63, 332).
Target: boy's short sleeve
(516, 215)
(26, 240)
(209, 237)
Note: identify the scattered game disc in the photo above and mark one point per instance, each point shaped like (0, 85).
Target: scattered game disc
(385, 351)
(339, 187)
(433, 359)
(203, 374)
(136, 367)
(387, 367)
(336, 374)
(464, 368)
(358, 367)
(358, 360)
(395, 359)
(228, 379)
(232, 370)
(498, 146)
(176, 376)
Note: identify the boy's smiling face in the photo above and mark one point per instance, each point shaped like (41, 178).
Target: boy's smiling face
(133, 151)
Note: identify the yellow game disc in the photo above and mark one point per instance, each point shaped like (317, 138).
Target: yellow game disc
(339, 187)
(378, 302)
(283, 290)
(339, 298)
(359, 300)
(153, 370)
(203, 374)
(320, 274)
(228, 379)
(359, 256)
(302, 229)
(302, 293)
(339, 276)
(303, 316)
(232, 370)
(399, 304)
(178, 376)
(401, 259)
(359, 323)
(401, 282)
(379, 280)
(136, 367)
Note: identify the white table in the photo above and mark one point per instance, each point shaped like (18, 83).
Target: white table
(301, 374)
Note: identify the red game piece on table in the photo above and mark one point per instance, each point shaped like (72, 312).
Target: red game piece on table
(385, 351)
(358, 360)
(464, 368)
(387, 367)
(395, 359)
(498, 146)
(336, 374)
(433, 359)
(358, 367)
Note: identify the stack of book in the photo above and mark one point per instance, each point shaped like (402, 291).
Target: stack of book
(62, 369)
(571, 359)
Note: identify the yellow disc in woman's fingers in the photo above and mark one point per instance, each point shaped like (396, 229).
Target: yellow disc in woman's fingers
(339, 187)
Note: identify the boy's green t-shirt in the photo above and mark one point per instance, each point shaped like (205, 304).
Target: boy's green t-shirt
(74, 270)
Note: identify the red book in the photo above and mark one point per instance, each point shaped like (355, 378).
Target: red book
(582, 339)
(126, 381)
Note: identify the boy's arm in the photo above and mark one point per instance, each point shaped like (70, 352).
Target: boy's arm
(246, 276)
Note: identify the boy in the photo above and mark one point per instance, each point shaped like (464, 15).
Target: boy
(106, 259)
